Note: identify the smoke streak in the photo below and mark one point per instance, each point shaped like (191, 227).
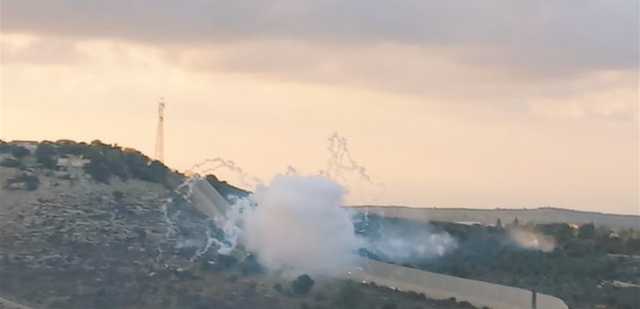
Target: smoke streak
(210, 166)
(343, 168)
(341, 161)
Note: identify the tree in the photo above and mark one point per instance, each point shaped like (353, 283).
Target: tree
(302, 285)
(98, 168)
(116, 163)
(158, 172)
(587, 231)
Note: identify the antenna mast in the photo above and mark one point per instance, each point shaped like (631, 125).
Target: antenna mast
(160, 132)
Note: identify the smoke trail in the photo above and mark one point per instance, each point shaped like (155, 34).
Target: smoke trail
(341, 161)
(209, 166)
(341, 166)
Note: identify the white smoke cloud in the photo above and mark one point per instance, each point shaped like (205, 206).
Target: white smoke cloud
(532, 241)
(300, 224)
(406, 248)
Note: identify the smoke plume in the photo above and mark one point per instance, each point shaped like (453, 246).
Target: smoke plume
(300, 224)
(411, 247)
(532, 241)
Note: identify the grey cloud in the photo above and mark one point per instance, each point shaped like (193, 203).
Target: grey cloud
(42, 52)
(545, 37)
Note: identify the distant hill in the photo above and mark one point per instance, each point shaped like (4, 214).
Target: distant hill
(490, 216)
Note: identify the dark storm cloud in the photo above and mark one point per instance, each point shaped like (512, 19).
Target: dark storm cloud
(550, 37)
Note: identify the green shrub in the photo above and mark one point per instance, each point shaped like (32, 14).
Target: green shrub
(8, 162)
(31, 182)
(66, 147)
(98, 169)
(302, 285)
(278, 287)
(349, 295)
(587, 231)
(46, 154)
(118, 196)
(250, 265)
(19, 152)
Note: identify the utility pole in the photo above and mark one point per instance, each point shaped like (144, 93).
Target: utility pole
(160, 132)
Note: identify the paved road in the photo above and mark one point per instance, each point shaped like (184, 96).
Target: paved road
(441, 286)
(7, 304)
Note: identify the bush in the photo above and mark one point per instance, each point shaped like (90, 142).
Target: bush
(8, 162)
(587, 231)
(98, 169)
(66, 147)
(250, 265)
(349, 295)
(227, 261)
(118, 196)
(31, 182)
(46, 154)
(302, 285)
(278, 287)
(19, 152)
(5, 147)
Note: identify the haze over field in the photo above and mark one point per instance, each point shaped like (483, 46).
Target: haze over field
(447, 103)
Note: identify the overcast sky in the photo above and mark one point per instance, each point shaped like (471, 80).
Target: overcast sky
(448, 103)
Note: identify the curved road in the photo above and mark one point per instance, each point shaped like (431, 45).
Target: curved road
(7, 304)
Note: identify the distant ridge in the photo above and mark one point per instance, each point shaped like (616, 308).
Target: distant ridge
(490, 216)
(499, 208)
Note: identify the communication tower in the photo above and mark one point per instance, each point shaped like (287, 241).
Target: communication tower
(160, 131)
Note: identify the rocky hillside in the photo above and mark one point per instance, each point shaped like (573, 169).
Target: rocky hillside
(97, 226)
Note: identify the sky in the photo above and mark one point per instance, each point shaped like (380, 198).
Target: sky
(478, 104)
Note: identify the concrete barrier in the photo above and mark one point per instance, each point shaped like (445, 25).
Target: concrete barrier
(440, 286)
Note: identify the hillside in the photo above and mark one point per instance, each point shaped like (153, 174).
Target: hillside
(98, 226)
